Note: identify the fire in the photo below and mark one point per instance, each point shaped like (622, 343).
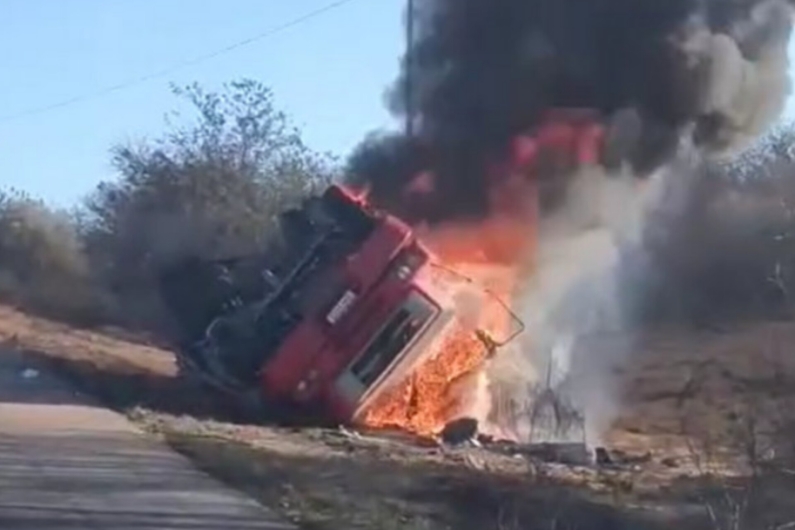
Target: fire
(496, 253)
(437, 392)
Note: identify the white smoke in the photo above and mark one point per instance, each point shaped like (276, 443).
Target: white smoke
(576, 327)
(741, 76)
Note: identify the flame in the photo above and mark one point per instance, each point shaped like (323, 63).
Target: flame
(439, 390)
(496, 253)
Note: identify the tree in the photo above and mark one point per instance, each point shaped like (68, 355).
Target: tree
(43, 266)
(211, 187)
(723, 250)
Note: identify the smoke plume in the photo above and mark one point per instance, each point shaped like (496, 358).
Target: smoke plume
(709, 73)
(578, 329)
(659, 78)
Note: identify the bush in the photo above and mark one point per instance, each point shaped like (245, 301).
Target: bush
(212, 189)
(728, 252)
(42, 263)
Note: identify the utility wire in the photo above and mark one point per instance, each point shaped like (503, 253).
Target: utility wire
(178, 66)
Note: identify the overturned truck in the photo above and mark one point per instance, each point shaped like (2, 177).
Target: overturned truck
(320, 333)
(348, 310)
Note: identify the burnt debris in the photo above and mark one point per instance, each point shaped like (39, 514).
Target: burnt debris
(459, 432)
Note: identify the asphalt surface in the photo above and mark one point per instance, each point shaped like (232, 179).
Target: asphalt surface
(66, 463)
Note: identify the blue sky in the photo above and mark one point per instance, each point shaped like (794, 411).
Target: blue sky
(328, 73)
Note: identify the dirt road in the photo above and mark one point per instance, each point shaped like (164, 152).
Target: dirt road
(66, 463)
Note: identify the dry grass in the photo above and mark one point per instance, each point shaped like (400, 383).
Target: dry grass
(108, 349)
(328, 480)
(331, 480)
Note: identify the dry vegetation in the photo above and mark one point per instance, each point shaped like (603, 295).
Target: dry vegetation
(709, 432)
(709, 421)
(209, 189)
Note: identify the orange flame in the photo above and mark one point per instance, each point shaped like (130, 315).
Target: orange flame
(495, 253)
(488, 253)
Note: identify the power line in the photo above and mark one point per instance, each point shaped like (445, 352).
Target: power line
(178, 66)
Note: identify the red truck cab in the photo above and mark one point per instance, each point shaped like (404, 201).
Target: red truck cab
(341, 314)
(371, 315)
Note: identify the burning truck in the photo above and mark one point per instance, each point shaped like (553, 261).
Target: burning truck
(365, 319)
(539, 200)
(350, 311)
(370, 317)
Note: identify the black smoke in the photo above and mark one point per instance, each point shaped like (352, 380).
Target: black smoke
(708, 73)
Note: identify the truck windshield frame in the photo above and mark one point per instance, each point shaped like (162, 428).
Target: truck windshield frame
(388, 344)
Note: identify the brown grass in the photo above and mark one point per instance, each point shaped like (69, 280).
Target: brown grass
(328, 480)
